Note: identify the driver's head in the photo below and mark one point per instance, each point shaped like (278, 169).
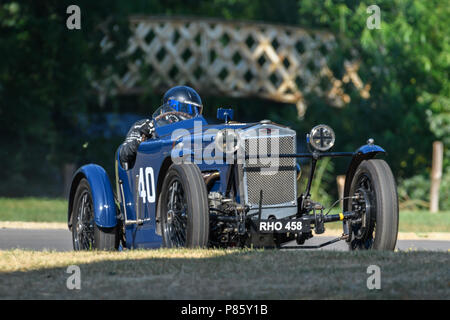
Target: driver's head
(183, 99)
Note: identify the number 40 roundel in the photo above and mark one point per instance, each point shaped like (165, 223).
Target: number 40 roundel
(147, 185)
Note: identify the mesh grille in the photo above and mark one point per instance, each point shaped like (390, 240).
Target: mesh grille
(278, 186)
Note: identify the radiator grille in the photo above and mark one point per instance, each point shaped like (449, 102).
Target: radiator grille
(278, 182)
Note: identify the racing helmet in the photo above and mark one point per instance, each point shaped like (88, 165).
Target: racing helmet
(183, 99)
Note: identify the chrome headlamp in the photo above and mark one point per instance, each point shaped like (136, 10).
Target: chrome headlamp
(321, 137)
(227, 140)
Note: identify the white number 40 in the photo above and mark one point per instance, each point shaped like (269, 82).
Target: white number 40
(147, 185)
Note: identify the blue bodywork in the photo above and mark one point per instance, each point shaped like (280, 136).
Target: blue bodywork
(152, 161)
(156, 154)
(102, 194)
(141, 185)
(225, 114)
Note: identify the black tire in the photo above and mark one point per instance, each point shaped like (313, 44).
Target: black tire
(184, 216)
(374, 180)
(87, 235)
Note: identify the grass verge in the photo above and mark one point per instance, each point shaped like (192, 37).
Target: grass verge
(224, 274)
(33, 209)
(413, 221)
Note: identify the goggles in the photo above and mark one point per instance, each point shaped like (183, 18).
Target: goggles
(186, 107)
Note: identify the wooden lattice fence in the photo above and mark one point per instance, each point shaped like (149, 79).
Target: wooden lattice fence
(237, 59)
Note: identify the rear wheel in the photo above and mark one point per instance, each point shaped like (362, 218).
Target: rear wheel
(86, 234)
(183, 208)
(375, 199)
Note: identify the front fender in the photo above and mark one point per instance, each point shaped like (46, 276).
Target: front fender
(365, 152)
(102, 195)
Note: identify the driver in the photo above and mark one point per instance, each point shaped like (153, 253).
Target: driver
(179, 103)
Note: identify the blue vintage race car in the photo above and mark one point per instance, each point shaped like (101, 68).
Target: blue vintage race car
(229, 185)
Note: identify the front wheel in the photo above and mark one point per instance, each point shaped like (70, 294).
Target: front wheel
(375, 200)
(183, 208)
(86, 234)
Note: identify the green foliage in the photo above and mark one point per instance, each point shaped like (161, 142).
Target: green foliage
(46, 73)
(33, 209)
(414, 192)
(44, 87)
(324, 180)
(406, 62)
(444, 191)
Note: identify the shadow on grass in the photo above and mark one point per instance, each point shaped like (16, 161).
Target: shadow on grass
(236, 274)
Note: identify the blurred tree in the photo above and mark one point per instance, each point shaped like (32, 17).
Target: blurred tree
(407, 63)
(47, 102)
(44, 87)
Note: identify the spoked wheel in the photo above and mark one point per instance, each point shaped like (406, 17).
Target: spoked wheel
(375, 200)
(183, 208)
(83, 227)
(364, 227)
(176, 219)
(86, 235)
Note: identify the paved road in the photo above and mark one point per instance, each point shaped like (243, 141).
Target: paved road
(36, 239)
(402, 245)
(61, 240)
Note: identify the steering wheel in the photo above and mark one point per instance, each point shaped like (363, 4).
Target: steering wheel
(175, 115)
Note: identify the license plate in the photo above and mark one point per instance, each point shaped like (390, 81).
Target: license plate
(283, 226)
